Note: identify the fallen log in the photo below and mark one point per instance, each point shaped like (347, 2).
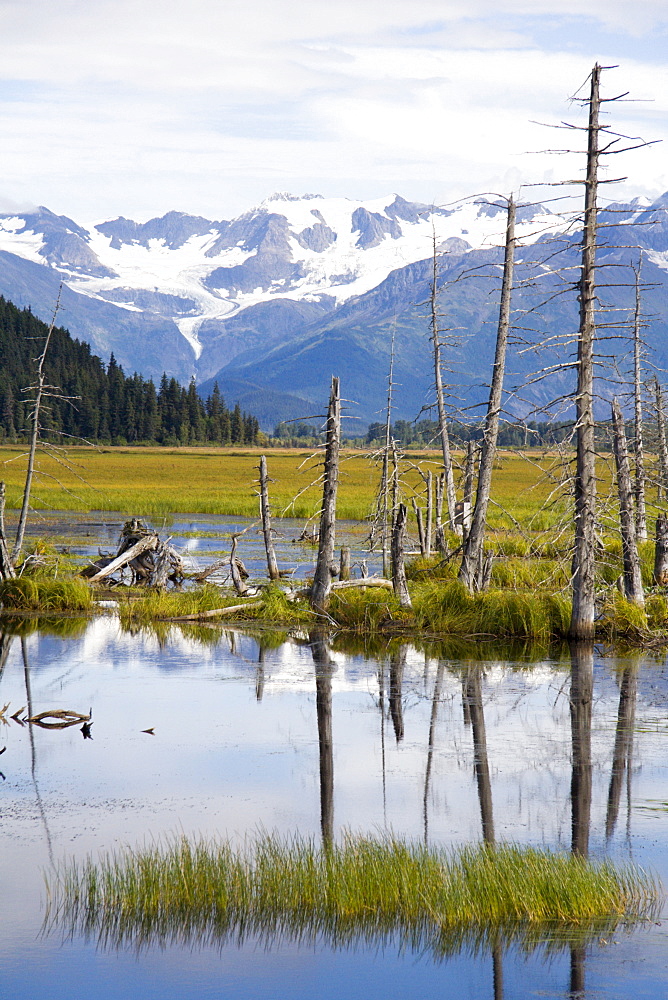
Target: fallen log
(366, 581)
(64, 719)
(143, 545)
(215, 612)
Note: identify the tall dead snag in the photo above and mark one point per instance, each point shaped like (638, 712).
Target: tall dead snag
(450, 494)
(640, 512)
(584, 562)
(398, 569)
(470, 572)
(633, 589)
(661, 551)
(662, 487)
(322, 578)
(6, 568)
(265, 512)
(41, 389)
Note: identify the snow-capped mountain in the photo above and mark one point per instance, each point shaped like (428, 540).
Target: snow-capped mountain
(225, 299)
(200, 273)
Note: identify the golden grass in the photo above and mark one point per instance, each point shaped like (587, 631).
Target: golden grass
(155, 481)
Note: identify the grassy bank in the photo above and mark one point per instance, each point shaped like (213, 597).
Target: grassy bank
(159, 481)
(362, 888)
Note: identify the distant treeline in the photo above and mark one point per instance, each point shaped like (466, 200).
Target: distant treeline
(424, 434)
(105, 405)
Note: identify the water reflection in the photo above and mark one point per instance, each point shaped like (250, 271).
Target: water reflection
(622, 756)
(478, 748)
(323, 695)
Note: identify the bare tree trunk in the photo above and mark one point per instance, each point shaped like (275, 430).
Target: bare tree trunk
(450, 494)
(439, 534)
(420, 527)
(34, 437)
(272, 565)
(584, 561)
(430, 515)
(469, 472)
(663, 448)
(661, 551)
(237, 579)
(322, 578)
(7, 571)
(633, 589)
(474, 545)
(641, 515)
(344, 563)
(398, 569)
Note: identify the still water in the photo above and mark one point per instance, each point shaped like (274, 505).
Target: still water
(274, 732)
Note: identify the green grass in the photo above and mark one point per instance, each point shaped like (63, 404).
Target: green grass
(361, 889)
(44, 594)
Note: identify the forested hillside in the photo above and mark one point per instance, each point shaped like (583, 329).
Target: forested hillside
(105, 405)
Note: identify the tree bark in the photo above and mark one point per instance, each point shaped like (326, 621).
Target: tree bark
(7, 571)
(398, 569)
(584, 561)
(322, 579)
(661, 551)
(633, 589)
(450, 493)
(475, 540)
(237, 579)
(663, 448)
(34, 437)
(344, 564)
(641, 515)
(272, 565)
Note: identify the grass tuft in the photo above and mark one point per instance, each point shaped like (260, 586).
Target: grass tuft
(360, 889)
(44, 594)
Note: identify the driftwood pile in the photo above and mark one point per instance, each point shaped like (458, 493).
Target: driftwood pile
(151, 561)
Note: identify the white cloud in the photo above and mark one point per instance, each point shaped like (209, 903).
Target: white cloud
(115, 106)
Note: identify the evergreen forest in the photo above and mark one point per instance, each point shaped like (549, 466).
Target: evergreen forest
(96, 402)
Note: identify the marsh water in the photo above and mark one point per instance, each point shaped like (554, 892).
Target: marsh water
(286, 732)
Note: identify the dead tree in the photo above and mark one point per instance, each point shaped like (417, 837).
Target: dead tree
(661, 551)
(472, 559)
(450, 494)
(661, 438)
(640, 512)
(384, 510)
(322, 578)
(7, 571)
(41, 389)
(584, 562)
(398, 569)
(272, 564)
(633, 589)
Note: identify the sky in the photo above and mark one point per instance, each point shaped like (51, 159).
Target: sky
(138, 107)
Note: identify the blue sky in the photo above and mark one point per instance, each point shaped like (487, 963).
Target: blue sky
(136, 107)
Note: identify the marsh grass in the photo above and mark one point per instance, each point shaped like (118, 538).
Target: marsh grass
(274, 608)
(450, 609)
(367, 889)
(37, 592)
